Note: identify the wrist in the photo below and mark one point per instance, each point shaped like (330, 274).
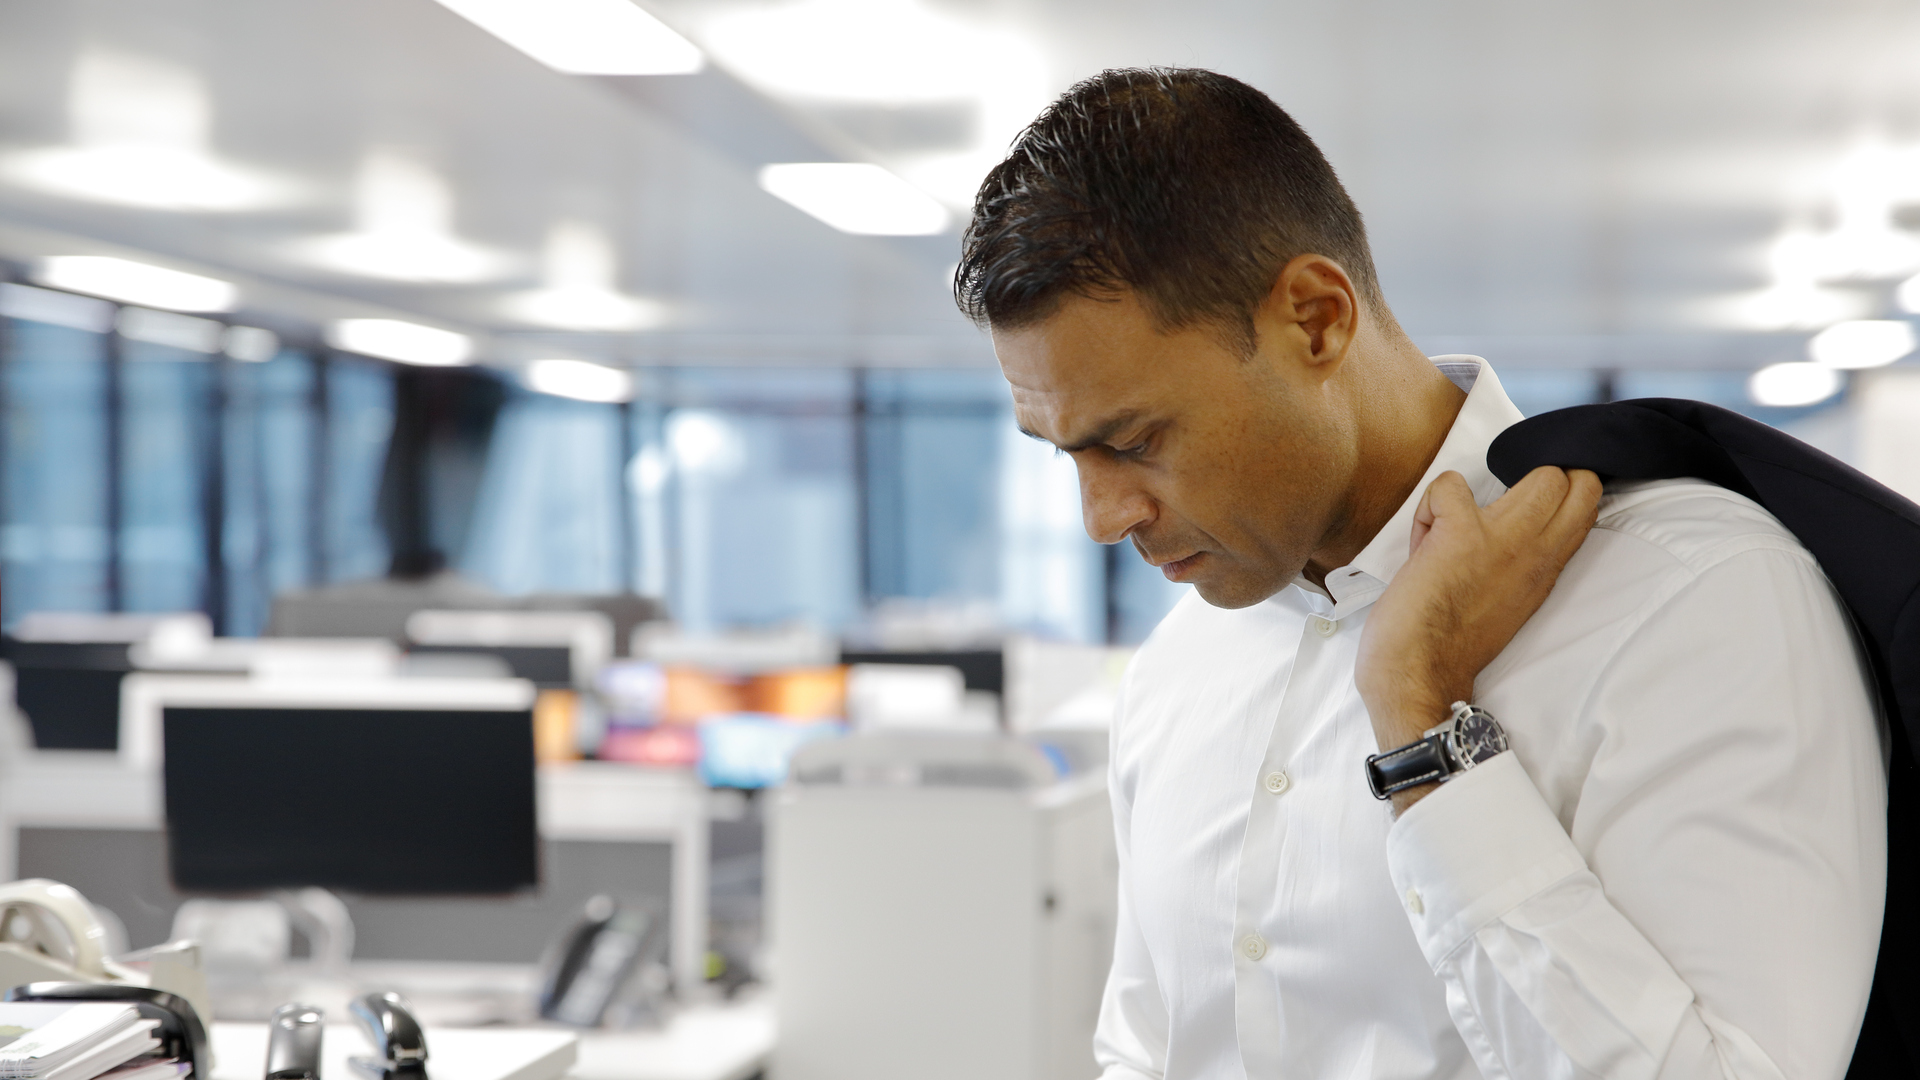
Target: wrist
(1407, 715)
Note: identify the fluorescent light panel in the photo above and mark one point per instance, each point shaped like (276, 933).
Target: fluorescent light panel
(1862, 343)
(55, 308)
(250, 344)
(402, 342)
(1795, 384)
(858, 198)
(137, 283)
(579, 380)
(171, 329)
(584, 37)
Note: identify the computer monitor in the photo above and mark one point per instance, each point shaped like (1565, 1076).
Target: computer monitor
(367, 792)
(554, 649)
(69, 691)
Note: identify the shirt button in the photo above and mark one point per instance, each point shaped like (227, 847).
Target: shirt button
(1323, 625)
(1415, 905)
(1278, 782)
(1253, 946)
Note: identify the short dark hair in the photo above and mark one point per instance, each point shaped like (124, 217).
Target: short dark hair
(1188, 187)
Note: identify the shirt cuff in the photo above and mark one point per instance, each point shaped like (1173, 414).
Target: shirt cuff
(1473, 850)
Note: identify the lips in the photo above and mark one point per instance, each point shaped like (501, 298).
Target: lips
(1179, 569)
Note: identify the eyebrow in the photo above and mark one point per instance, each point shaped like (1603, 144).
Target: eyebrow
(1104, 432)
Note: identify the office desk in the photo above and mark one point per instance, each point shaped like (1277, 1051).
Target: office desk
(584, 801)
(240, 1052)
(716, 1041)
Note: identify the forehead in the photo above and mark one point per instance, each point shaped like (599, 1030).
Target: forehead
(1088, 360)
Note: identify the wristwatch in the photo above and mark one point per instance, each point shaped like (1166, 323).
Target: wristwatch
(1468, 737)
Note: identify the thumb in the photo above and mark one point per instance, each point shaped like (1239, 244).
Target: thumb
(1448, 497)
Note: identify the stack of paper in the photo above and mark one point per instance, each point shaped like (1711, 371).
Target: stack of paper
(79, 1041)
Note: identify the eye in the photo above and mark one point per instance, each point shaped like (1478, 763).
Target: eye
(1137, 450)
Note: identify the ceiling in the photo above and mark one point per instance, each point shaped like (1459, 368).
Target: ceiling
(1573, 184)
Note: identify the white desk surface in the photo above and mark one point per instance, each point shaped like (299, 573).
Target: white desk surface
(240, 1053)
(719, 1041)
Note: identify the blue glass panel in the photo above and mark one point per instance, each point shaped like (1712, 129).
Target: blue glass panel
(933, 497)
(547, 518)
(763, 519)
(53, 547)
(1052, 576)
(166, 416)
(359, 425)
(269, 483)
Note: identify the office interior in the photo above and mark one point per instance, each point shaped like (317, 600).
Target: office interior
(497, 502)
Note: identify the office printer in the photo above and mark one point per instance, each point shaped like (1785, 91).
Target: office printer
(942, 907)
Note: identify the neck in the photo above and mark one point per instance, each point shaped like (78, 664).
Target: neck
(1403, 409)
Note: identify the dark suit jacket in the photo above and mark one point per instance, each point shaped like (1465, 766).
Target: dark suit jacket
(1866, 538)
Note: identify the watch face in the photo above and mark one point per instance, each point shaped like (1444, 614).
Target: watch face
(1477, 737)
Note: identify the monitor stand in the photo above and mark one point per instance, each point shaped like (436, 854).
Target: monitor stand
(323, 919)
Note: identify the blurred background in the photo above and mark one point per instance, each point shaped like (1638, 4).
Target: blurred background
(606, 350)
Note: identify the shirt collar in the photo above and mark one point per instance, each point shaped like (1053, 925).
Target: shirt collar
(1486, 413)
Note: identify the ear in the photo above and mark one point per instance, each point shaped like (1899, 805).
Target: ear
(1312, 313)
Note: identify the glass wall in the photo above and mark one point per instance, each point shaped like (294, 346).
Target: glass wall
(166, 418)
(57, 538)
(850, 500)
(137, 459)
(159, 475)
(270, 438)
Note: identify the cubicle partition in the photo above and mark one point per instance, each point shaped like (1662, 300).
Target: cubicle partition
(99, 820)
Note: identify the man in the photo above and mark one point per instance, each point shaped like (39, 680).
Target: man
(1677, 868)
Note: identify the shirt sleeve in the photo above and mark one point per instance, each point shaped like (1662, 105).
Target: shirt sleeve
(1130, 1039)
(1708, 903)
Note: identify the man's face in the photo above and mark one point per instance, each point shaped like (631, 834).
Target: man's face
(1225, 471)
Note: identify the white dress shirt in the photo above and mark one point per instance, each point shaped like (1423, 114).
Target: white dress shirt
(1678, 871)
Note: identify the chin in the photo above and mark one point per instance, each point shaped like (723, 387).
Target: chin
(1233, 594)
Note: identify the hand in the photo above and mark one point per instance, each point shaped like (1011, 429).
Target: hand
(1473, 577)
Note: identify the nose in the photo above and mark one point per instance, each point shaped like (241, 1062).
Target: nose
(1110, 504)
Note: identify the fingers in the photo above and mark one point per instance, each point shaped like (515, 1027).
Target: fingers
(1449, 497)
(1576, 514)
(1530, 504)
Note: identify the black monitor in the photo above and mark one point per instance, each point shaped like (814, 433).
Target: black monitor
(549, 667)
(69, 691)
(415, 801)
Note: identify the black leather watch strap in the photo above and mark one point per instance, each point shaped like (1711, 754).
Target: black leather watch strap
(1409, 766)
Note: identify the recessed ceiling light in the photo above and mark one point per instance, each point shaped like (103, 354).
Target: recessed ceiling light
(140, 129)
(186, 332)
(1794, 384)
(1862, 343)
(856, 198)
(403, 213)
(404, 342)
(584, 37)
(250, 344)
(584, 308)
(417, 257)
(581, 293)
(55, 308)
(152, 177)
(579, 380)
(137, 283)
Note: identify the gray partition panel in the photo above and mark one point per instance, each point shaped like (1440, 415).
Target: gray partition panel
(125, 870)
